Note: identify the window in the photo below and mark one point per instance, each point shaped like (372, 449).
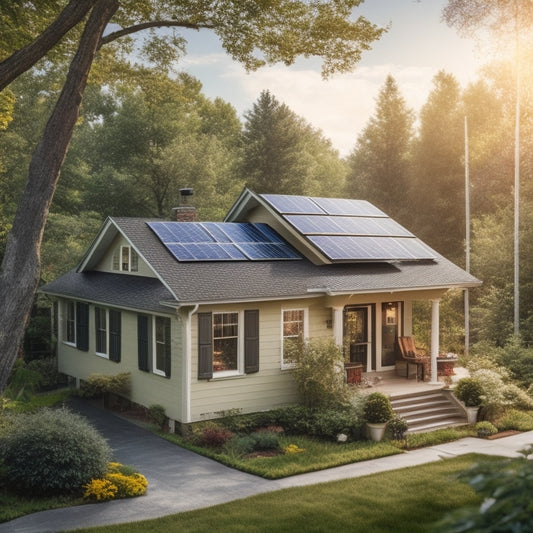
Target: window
(225, 341)
(100, 327)
(107, 327)
(228, 343)
(162, 346)
(294, 330)
(70, 323)
(125, 259)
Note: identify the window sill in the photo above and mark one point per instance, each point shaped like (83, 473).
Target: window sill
(225, 376)
(71, 344)
(102, 355)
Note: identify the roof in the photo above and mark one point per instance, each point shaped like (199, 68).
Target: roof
(187, 283)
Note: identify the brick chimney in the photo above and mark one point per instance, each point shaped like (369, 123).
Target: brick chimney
(185, 213)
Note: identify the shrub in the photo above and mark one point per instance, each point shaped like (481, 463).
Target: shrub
(121, 481)
(258, 441)
(157, 413)
(377, 408)
(397, 426)
(485, 429)
(211, 435)
(52, 452)
(469, 391)
(319, 373)
(47, 369)
(100, 384)
(506, 487)
(23, 381)
(328, 423)
(515, 419)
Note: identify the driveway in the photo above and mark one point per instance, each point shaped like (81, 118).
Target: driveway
(180, 480)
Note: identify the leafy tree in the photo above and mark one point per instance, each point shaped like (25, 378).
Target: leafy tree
(281, 152)
(253, 34)
(380, 161)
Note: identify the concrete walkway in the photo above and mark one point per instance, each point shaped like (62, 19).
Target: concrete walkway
(179, 480)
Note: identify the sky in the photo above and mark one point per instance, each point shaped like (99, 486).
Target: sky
(416, 47)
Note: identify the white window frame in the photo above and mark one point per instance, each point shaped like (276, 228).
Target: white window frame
(132, 263)
(100, 309)
(240, 345)
(155, 369)
(305, 310)
(68, 319)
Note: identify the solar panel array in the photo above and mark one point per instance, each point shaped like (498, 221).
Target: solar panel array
(346, 230)
(222, 241)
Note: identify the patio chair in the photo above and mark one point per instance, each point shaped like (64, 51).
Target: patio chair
(412, 356)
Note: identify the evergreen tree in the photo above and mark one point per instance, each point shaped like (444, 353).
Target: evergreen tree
(438, 185)
(380, 161)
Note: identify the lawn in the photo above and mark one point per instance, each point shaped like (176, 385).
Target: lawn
(409, 500)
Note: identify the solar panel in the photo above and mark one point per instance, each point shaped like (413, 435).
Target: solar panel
(222, 241)
(349, 230)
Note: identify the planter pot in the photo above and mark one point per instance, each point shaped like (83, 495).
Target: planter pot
(376, 432)
(354, 372)
(471, 414)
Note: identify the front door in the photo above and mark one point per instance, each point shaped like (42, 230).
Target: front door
(390, 318)
(357, 335)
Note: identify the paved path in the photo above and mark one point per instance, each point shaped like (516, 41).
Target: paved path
(179, 480)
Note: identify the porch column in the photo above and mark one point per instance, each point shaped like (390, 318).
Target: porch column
(338, 326)
(435, 307)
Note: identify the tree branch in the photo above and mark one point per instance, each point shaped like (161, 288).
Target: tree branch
(154, 24)
(23, 59)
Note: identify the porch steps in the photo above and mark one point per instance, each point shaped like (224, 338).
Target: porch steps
(428, 410)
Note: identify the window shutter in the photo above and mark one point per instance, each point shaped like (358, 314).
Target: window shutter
(167, 347)
(115, 326)
(205, 346)
(143, 343)
(82, 326)
(251, 341)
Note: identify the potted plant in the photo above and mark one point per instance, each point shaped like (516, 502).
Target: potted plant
(469, 392)
(398, 426)
(377, 412)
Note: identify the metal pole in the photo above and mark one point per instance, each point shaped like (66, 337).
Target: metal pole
(467, 239)
(517, 190)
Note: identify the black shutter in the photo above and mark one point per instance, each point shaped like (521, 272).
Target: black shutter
(205, 346)
(115, 323)
(143, 343)
(251, 341)
(167, 347)
(82, 326)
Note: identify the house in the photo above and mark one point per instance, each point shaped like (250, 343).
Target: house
(199, 312)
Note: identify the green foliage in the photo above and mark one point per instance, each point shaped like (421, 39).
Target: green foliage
(319, 373)
(23, 381)
(100, 384)
(485, 429)
(506, 487)
(377, 408)
(211, 435)
(254, 442)
(514, 419)
(157, 412)
(397, 425)
(469, 391)
(47, 369)
(51, 452)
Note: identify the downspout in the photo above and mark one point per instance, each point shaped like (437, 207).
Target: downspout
(187, 357)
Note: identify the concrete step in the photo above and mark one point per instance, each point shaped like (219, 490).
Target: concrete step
(428, 410)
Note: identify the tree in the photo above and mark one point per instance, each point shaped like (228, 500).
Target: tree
(253, 34)
(438, 188)
(281, 152)
(380, 161)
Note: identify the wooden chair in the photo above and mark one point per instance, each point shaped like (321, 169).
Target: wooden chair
(412, 356)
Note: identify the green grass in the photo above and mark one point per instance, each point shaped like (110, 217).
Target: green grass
(36, 401)
(408, 500)
(318, 455)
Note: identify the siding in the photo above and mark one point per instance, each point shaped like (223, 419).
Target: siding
(271, 386)
(146, 387)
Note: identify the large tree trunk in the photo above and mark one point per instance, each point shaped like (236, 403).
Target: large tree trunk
(20, 272)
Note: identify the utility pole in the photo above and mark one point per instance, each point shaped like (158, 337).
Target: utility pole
(467, 240)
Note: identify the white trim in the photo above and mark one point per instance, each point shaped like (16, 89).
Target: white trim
(187, 364)
(240, 346)
(156, 370)
(103, 355)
